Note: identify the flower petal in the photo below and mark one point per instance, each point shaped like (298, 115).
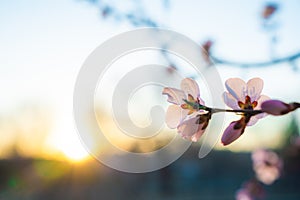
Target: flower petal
(175, 96)
(230, 101)
(237, 88)
(190, 129)
(233, 131)
(201, 101)
(261, 99)
(254, 88)
(253, 120)
(174, 115)
(189, 86)
(197, 135)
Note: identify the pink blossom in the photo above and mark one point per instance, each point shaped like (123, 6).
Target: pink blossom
(250, 190)
(243, 194)
(245, 96)
(189, 121)
(242, 96)
(267, 165)
(193, 128)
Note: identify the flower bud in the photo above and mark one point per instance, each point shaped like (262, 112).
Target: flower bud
(233, 131)
(275, 107)
(269, 10)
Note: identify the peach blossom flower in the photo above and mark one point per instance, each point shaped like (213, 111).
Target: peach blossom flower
(250, 190)
(242, 96)
(243, 194)
(189, 121)
(267, 165)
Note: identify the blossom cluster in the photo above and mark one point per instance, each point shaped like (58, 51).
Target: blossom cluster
(268, 167)
(189, 114)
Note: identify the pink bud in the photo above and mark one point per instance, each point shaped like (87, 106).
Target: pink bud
(206, 47)
(275, 107)
(233, 131)
(269, 10)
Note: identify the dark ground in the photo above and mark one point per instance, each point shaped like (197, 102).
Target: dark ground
(218, 176)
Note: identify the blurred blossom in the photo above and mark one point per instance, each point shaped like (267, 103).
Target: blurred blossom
(171, 68)
(189, 121)
(206, 48)
(250, 190)
(269, 10)
(267, 165)
(243, 194)
(106, 11)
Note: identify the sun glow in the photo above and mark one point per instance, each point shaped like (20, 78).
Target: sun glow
(67, 142)
(75, 154)
(72, 149)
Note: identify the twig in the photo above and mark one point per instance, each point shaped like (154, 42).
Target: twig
(257, 64)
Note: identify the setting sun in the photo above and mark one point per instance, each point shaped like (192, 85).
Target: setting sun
(72, 148)
(75, 152)
(65, 140)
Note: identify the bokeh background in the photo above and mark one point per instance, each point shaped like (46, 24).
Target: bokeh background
(42, 47)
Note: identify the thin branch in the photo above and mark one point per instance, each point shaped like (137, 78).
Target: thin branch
(144, 20)
(109, 10)
(257, 64)
(198, 106)
(252, 112)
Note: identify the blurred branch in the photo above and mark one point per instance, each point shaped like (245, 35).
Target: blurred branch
(141, 19)
(287, 59)
(109, 10)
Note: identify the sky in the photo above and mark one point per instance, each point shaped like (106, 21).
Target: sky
(44, 43)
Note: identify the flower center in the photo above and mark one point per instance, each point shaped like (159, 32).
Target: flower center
(248, 104)
(189, 107)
